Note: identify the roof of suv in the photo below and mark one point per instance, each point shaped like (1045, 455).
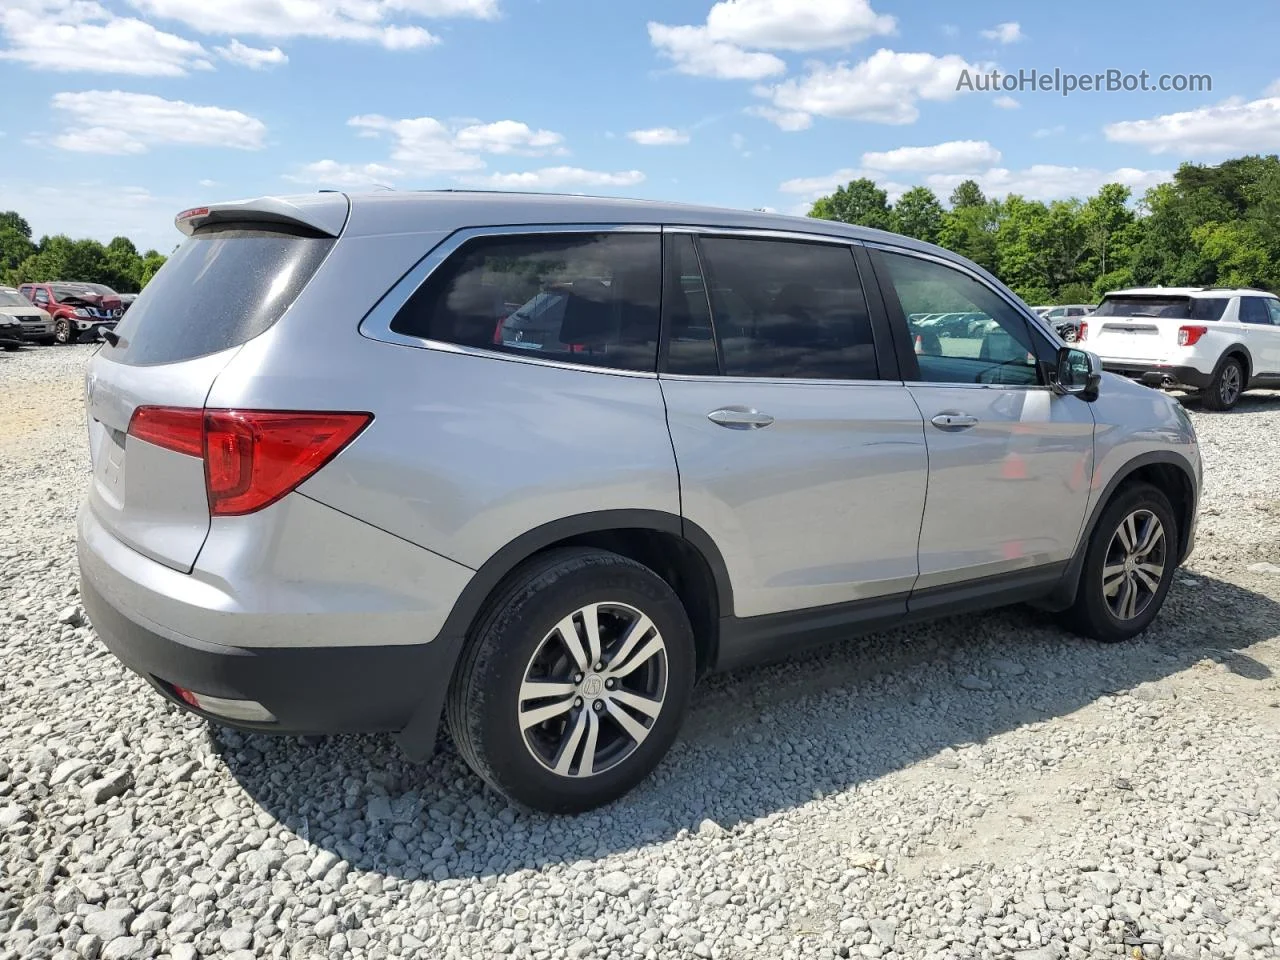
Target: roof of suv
(391, 211)
(1189, 292)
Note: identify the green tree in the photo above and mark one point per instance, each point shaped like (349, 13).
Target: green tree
(123, 265)
(859, 202)
(14, 220)
(919, 214)
(151, 263)
(967, 194)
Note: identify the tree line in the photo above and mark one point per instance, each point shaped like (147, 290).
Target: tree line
(1210, 226)
(118, 264)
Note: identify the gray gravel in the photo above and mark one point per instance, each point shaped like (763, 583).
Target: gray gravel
(983, 787)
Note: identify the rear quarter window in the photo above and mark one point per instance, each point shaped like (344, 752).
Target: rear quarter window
(223, 286)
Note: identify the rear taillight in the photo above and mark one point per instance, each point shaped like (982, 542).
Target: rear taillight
(252, 458)
(1083, 331)
(1190, 336)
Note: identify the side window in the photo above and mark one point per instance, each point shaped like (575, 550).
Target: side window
(1273, 307)
(690, 337)
(587, 298)
(785, 309)
(991, 343)
(41, 297)
(1254, 310)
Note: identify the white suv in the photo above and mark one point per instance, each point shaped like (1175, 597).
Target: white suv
(1219, 342)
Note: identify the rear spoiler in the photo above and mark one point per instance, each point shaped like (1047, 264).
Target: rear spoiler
(323, 212)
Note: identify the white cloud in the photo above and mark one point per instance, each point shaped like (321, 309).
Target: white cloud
(556, 178)
(1010, 32)
(364, 20)
(331, 173)
(509, 136)
(694, 52)
(1229, 127)
(659, 137)
(425, 145)
(1006, 103)
(114, 122)
(795, 24)
(1048, 181)
(208, 183)
(789, 120)
(255, 58)
(71, 35)
(884, 88)
(814, 187)
(1044, 132)
(952, 155)
(1273, 90)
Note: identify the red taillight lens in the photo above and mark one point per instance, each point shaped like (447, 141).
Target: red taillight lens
(1190, 336)
(252, 458)
(1083, 331)
(176, 429)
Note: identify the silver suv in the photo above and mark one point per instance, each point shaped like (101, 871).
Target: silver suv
(537, 464)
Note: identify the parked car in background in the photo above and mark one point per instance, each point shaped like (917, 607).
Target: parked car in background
(367, 499)
(79, 310)
(1066, 319)
(11, 337)
(126, 301)
(37, 325)
(1218, 342)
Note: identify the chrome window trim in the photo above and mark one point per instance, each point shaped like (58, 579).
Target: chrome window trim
(1026, 313)
(376, 324)
(776, 381)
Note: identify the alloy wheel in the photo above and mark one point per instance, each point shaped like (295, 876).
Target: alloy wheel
(1134, 565)
(1229, 388)
(593, 689)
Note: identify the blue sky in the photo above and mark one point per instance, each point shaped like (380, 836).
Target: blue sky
(118, 113)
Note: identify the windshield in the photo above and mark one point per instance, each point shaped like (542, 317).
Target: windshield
(8, 299)
(1163, 307)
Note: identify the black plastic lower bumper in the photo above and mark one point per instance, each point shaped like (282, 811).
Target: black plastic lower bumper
(1160, 375)
(311, 690)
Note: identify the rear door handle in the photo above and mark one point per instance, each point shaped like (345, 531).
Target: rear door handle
(739, 418)
(954, 421)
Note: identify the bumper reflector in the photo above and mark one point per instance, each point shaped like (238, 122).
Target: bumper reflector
(247, 711)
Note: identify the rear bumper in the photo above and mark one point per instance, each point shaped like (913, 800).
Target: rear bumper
(1159, 374)
(307, 689)
(274, 613)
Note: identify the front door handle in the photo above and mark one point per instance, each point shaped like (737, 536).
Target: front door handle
(954, 421)
(740, 418)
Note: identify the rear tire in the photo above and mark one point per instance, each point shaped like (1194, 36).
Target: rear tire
(617, 716)
(1128, 568)
(1227, 386)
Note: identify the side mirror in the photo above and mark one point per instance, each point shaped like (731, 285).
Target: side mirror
(1079, 374)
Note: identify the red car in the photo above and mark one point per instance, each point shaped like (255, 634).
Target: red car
(78, 309)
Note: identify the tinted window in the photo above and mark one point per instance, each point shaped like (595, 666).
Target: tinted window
(1254, 310)
(589, 298)
(786, 309)
(985, 340)
(222, 287)
(1166, 307)
(13, 299)
(691, 347)
(1273, 307)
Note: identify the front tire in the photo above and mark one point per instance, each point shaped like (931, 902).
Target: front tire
(64, 332)
(1227, 386)
(575, 681)
(1128, 567)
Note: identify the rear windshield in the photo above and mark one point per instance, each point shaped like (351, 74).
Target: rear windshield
(1166, 308)
(222, 287)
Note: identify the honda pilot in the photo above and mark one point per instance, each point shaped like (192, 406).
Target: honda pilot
(536, 464)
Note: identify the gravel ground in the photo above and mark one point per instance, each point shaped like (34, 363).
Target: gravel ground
(983, 787)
